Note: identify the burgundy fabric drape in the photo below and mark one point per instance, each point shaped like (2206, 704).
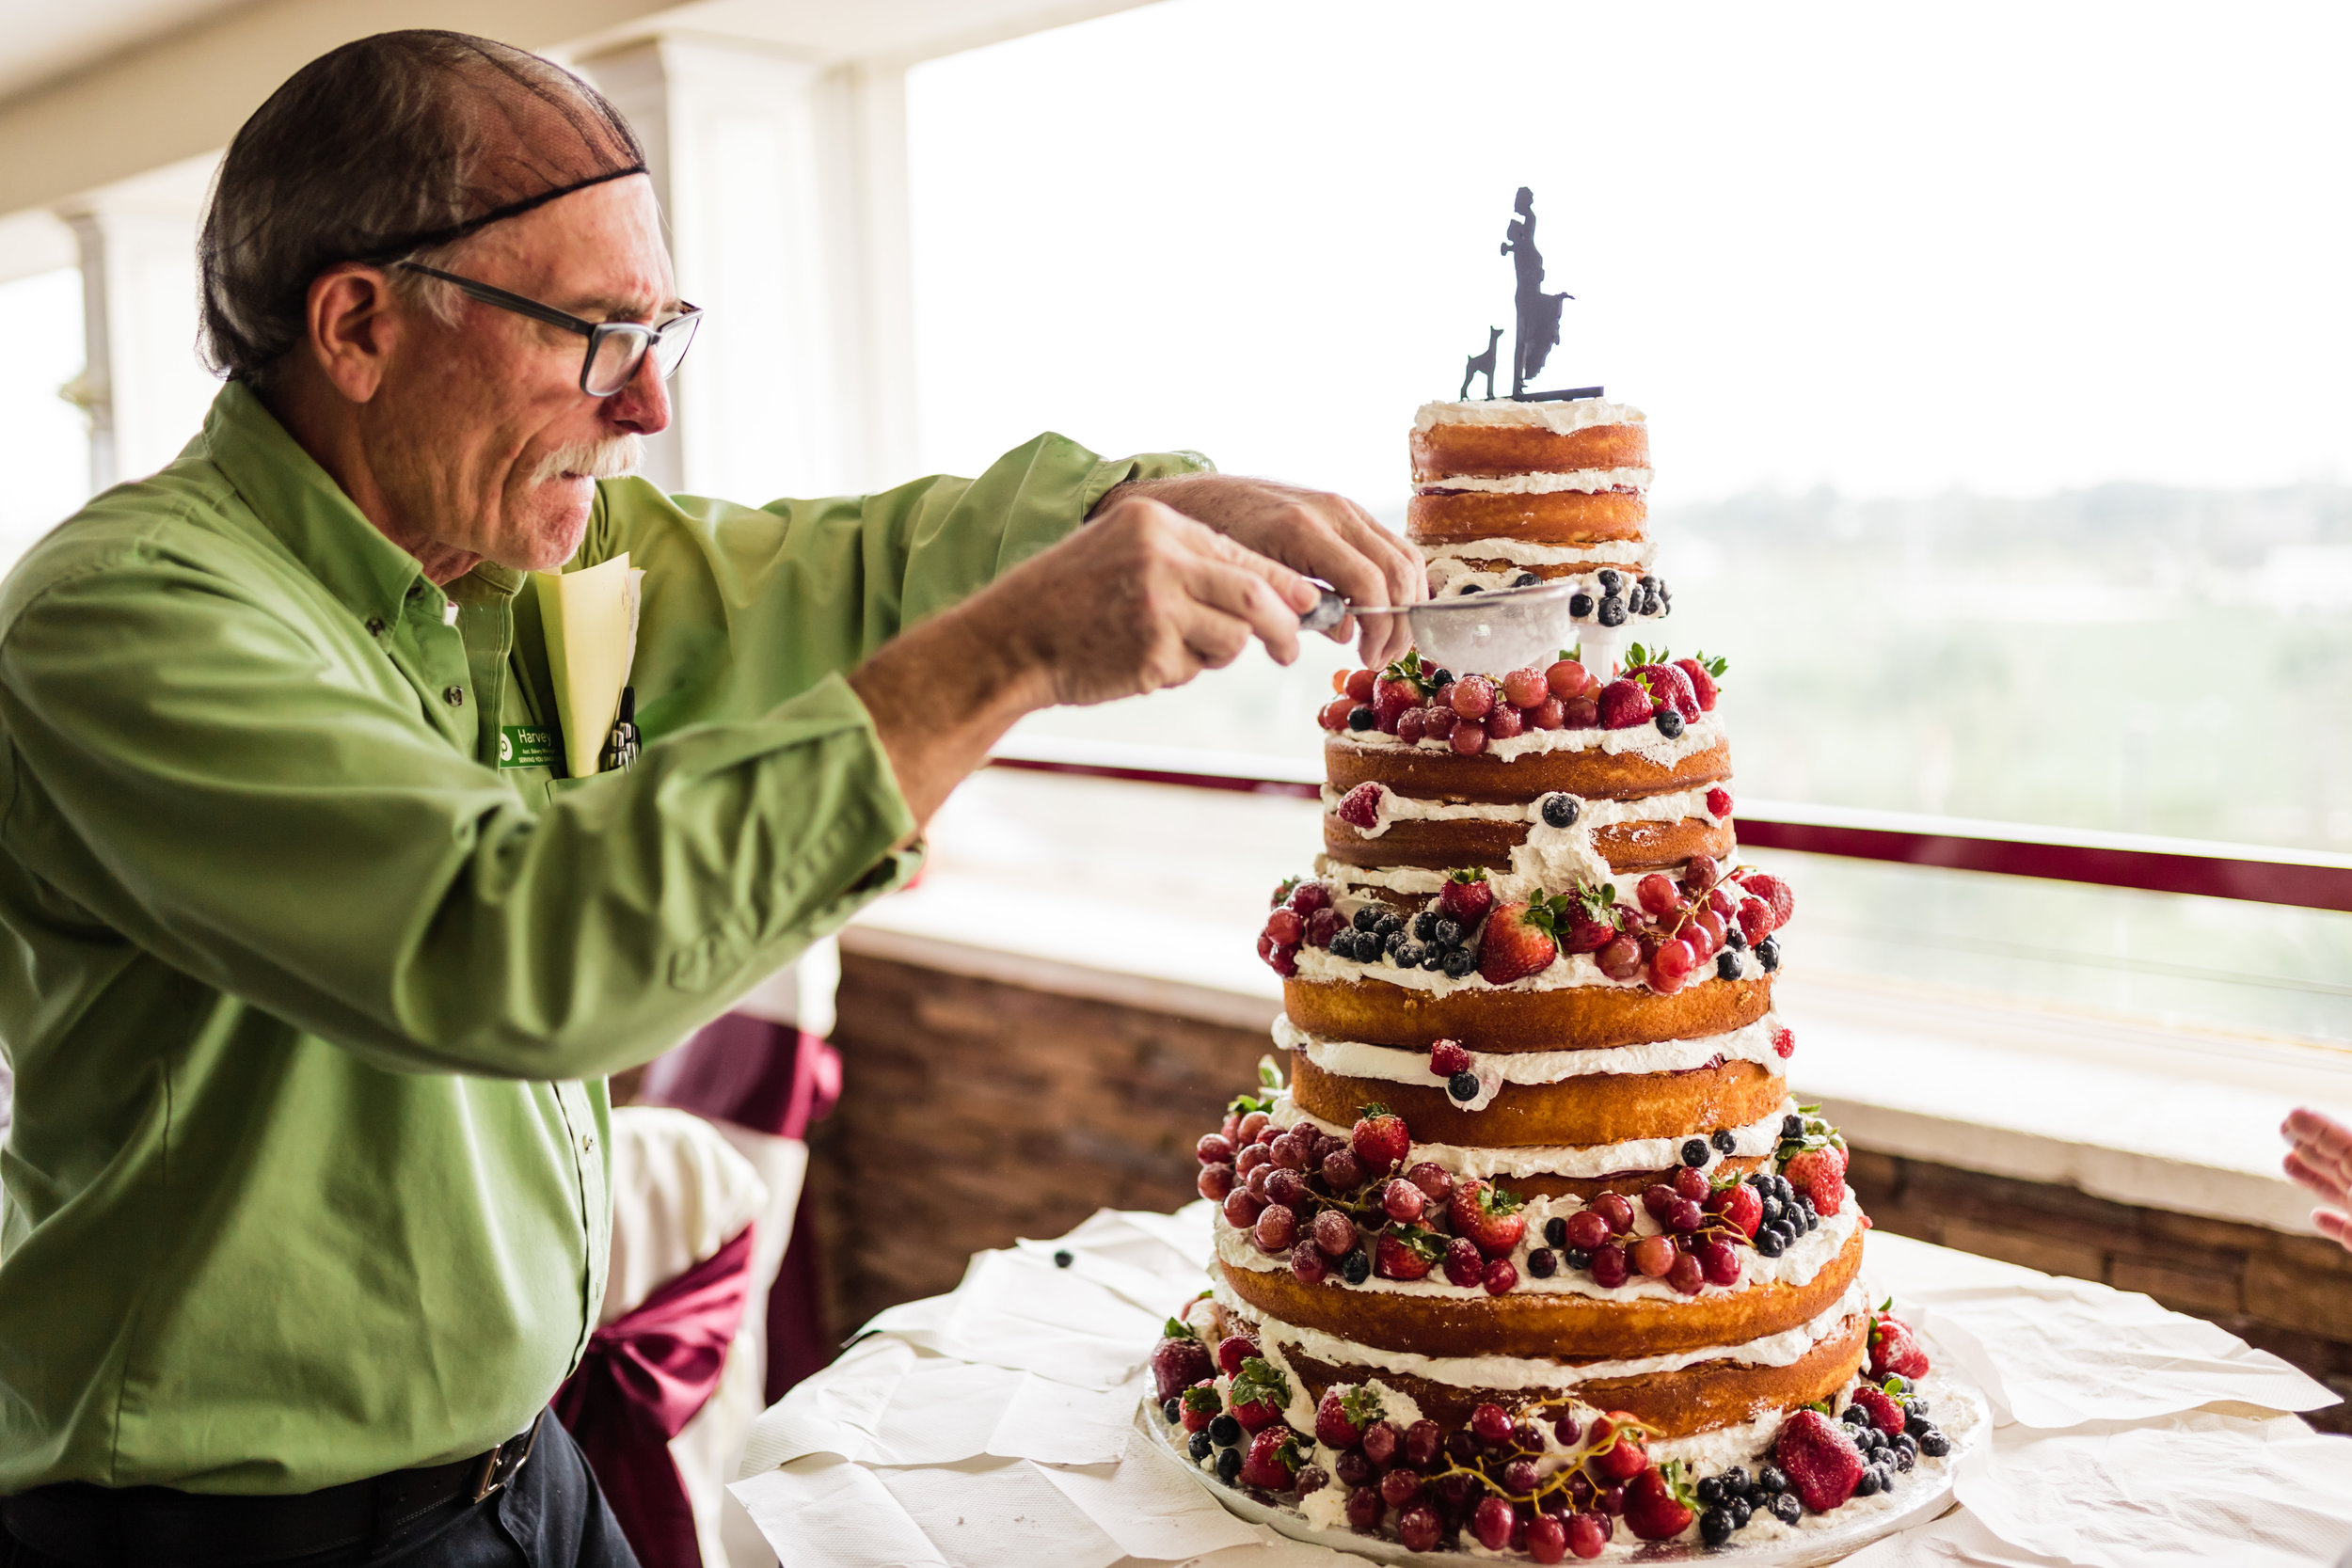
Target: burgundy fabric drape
(644, 1377)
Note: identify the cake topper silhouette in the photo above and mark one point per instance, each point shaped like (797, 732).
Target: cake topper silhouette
(1537, 316)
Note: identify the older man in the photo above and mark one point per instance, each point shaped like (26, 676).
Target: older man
(308, 995)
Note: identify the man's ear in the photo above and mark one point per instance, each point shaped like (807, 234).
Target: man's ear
(354, 323)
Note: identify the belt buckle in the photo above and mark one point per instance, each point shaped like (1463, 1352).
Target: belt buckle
(501, 1464)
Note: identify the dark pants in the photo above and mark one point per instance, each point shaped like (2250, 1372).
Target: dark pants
(551, 1516)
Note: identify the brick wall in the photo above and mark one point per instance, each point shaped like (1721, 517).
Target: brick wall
(972, 1112)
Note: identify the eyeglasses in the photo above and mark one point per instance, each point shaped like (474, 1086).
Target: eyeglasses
(615, 349)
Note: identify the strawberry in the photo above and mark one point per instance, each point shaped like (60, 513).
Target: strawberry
(1784, 1043)
(1624, 703)
(1360, 806)
(1739, 1204)
(1487, 1215)
(1447, 1057)
(1389, 699)
(1406, 1253)
(1701, 674)
(1659, 1504)
(1466, 898)
(1616, 1443)
(1232, 1350)
(1893, 1347)
(1719, 803)
(1202, 1405)
(1776, 895)
(1820, 1460)
(1273, 1460)
(1756, 920)
(1178, 1361)
(1820, 1173)
(1521, 940)
(1465, 1265)
(1380, 1139)
(1259, 1393)
(1884, 1412)
(1673, 688)
(1591, 922)
(1342, 1418)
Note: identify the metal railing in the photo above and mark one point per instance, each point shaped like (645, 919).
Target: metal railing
(2304, 878)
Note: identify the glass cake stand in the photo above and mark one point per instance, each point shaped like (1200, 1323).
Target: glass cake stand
(1921, 1494)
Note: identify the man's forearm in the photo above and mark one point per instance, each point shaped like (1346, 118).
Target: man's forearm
(940, 693)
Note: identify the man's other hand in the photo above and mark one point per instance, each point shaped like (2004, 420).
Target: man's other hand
(2319, 1158)
(1313, 532)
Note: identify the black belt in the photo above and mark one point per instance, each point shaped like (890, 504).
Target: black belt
(155, 1526)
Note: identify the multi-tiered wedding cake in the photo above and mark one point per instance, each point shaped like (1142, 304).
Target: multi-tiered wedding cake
(1530, 1241)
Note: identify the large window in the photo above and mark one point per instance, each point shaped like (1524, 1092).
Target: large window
(1990, 357)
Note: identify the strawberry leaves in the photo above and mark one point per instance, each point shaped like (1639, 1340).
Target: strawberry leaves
(1361, 1407)
(1420, 1240)
(1410, 671)
(1815, 1133)
(1257, 1381)
(1176, 1328)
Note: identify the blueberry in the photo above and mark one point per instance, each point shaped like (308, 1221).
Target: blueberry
(1409, 954)
(1472, 588)
(1556, 1232)
(1361, 718)
(1434, 958)
(1771, 1243)
(1394, 943)
(1934, 1443)
(1906, 1451)
(1651, 603)
(1709, 1489)
(1854, 1416)
(1694, 1153)
(1229, 1465)
(1173, 1410)
(1611, 580)
(1766, 951)
(1575, 1259)
(1917, 1404)
(1542, 1262)
(1670, 726)
(1917, 1425)
(1734, 938)
(1740, 1512)
(1388, 924)
(1461, 1444)
(1580, 607)
(1063, 1259)
(1459, 962)
(1722, 1139)
(1200, 1445)
(1786, 1508)
(1441, 677)
(1612, 614)
(1446, 933)
(1357, 1267)
(1812, 1216)
(1525, 579)
(1736, 1483)
(1425, 926)
(1772, 1211)
(1866, 1487)
(1367, 918)
(1462, 1085)
(1225, 1432)
(1787, 1193)
(1561, 811)
(1770, 1479)
(1714, 1526)
(1726, 966)
(1792, 1126)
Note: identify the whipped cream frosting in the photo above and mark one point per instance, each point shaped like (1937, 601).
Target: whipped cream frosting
(1761, 1136)
(1637, 553)
(1494, 1068)
(1587, 481)
(1581, 413)
(1643, 740)
(1451, 579)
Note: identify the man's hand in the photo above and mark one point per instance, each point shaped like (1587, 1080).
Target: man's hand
(1320, 535)
(1140, 599)
(2319, 1158)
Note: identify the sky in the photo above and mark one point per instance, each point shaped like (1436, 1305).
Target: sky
(1892, 251)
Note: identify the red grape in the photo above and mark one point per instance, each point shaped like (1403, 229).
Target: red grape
(1342, 1170)
(1587, 1230)
(1700, 874)
(1360, 685)
(1687, 1216)
(1492, 1424)
(1617, 1210)
(1492, 1524)
(1620, 958)
(1473, 696)
(1214, 1149)
(1504, 722)
(1380, 1443)
(1610, 1266)
(1434, 1179)
(1335, 1233)
(1401, 1486)
(1567, 1429)
(1691, 1183)
(1686, 1276)
(1588, 1533)
(1215, 1183)
(1437, 723)
(1579, 713)
(1251, 1158)
(1525, 688)
(1276, 1229)
(1290, 1151)
(1364, 1509)
(1403, 1201)
(1308, 1264)
(1501, 1276)
(1546, 1539)
(1418, 1529)
(1670, 967)
(1285, 1187)
(1423, 1441)
(1720, 1260)
(1566, 679)
(1465, 1265)
(1411, 726)
(1659, 895)
(1652, 1256)
(1660, 1200)
(1253, 1124)
(1468, 740)
(1550, 714)
(1706, 924)
(1241, 1210)
(1334, 714)
(1519, 1475)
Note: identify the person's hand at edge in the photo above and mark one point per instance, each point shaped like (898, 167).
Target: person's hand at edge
(2319, 1159)
(1313, 532)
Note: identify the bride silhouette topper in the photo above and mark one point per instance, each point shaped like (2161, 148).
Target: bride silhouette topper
(1537, 312)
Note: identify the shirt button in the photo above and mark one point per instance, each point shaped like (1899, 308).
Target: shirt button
(375, 625)
(587, 1143)
(454, 695)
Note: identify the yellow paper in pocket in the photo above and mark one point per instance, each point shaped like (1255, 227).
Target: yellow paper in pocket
(590, 621)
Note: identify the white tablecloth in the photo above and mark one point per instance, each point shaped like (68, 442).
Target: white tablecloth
(993, 1427)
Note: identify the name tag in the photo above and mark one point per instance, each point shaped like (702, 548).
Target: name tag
(527, 746)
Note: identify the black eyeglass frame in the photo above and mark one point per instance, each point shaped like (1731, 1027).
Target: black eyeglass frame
(649, 335)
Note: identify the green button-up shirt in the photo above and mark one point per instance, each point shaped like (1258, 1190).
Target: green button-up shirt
(309, 1001)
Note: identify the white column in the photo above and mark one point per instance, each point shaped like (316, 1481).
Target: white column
(144, 388)
(785, 188)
